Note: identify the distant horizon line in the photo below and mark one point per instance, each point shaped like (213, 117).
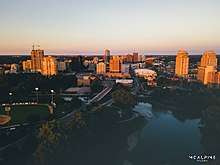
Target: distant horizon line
(194, 54)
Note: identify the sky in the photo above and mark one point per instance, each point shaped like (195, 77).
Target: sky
(123, 26)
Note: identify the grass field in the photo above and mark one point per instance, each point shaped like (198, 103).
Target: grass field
(22, 113)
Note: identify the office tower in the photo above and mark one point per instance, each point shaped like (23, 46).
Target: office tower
(128, 58)
(37, 58)
(207, 74)
(27, 65)
(209, 59)
(49, 66)
(208, 68)
(135, 57)
(107, 56)
(115, 64)
(182, 63)
(101, 68)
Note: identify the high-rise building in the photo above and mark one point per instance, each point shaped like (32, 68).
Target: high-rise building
(208, 68)
(135, 57)
(107, 56)
(217, 78)
(49, 66)
(37, 59)
(128, 58)
(209, 59)
(101, 68)
(207, 74)
(115, 64)
(27, 65)
(182, 63)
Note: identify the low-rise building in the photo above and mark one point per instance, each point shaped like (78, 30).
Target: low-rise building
(61, 66)
(148, 75)
(27, 65)
(78, 90)
(85, 79)
(125, 82)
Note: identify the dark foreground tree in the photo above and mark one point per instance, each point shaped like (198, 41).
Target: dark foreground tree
(123, 98)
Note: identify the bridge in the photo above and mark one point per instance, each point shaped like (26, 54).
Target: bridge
(100, 95)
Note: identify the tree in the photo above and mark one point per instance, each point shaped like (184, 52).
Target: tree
(96, 85)
(210, 129)
(123, 98)
(48, 137)
(75, 102)
(77, 121)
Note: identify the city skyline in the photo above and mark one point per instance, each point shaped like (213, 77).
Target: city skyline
(89, 27)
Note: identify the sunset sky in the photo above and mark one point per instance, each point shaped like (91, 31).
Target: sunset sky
(123, 26)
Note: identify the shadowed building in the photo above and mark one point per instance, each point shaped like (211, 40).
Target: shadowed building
(135, 57)
(182, 63)
(107, 56)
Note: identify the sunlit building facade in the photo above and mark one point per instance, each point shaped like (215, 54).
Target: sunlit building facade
(49, 66)
(207, 74)
(209, 58)
(37, 59)
(101, 68)
(115, 64)
(207, 71)
(27, 65)
(182, 63)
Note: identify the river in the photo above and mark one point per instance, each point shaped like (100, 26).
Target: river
(159, 140)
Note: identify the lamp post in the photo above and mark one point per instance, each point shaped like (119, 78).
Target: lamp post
(10, 99)
(52, 93)
(37, 89)
(8, 108)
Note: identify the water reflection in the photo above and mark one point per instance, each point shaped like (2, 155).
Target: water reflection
(132, 140)
(167, 138)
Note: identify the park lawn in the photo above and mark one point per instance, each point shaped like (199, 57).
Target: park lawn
(21, 113)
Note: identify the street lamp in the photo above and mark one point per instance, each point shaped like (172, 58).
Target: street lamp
(52, 93)
(10, 95)
(37, 89)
